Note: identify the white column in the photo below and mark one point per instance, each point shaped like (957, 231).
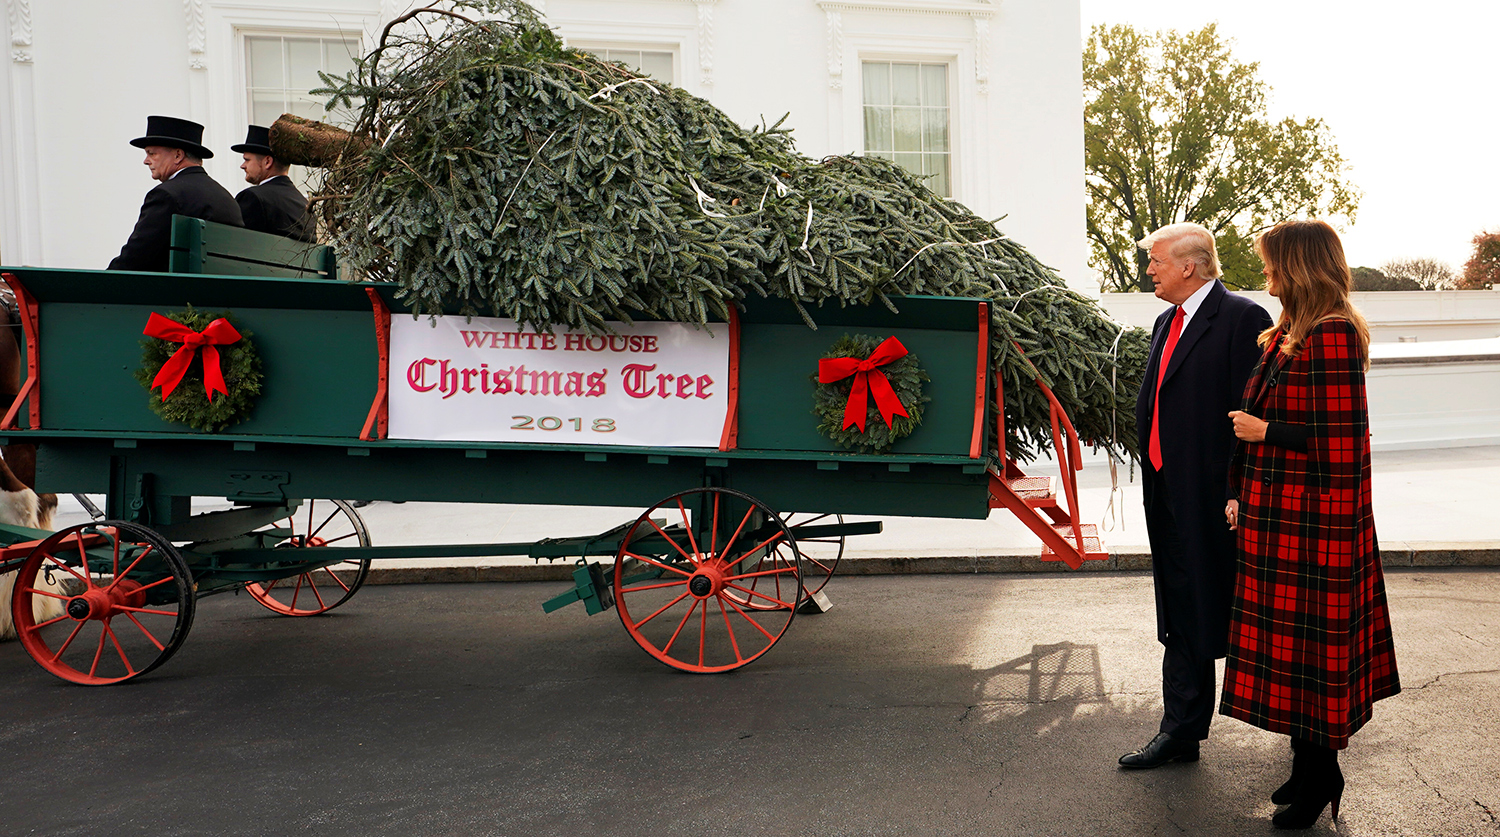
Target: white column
(982, 53)
(197, 53)
(705, 44)
(835, 37)
(20, 223)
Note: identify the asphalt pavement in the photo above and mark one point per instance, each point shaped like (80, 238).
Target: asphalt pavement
(989, 704)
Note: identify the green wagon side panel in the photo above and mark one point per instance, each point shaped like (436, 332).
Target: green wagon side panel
(779, 358)
(319, 368)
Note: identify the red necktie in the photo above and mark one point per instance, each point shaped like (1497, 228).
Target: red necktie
(1161, 372)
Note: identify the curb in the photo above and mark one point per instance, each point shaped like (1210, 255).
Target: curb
(1393, 555)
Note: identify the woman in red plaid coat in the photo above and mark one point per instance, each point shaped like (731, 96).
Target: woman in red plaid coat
(1310, 635)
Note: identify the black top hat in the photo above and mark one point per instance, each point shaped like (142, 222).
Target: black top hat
(174, 133)
(257, 141)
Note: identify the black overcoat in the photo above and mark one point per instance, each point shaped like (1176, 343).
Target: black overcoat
(192, 193)
(1204, 382)
(277, 207)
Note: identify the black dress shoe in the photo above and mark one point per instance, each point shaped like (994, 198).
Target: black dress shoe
(1162, 750)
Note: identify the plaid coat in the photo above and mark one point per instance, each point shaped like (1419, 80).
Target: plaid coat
(1310, 645)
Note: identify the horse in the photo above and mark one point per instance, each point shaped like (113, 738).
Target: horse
(21, 506)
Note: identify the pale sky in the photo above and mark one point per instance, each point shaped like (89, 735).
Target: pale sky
(1410, 91)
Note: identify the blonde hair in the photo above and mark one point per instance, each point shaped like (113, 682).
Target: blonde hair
(1313, 283)
(1187, 241)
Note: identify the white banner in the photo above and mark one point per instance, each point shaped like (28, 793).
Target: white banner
(485, 379)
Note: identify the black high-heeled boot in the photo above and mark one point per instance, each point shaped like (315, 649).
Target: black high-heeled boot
(1288, 791)
(1321, 783)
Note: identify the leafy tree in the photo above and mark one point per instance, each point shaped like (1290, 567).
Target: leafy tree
(1482, 270)
(1371, 279)
(1175, 130)
(1427, 274)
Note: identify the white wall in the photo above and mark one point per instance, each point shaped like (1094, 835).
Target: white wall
(1015, 80)
(93, 71)
(96, 68)
(1415, 316)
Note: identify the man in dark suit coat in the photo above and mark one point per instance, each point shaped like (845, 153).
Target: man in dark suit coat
(1186, 443)
(273, 205)
(175, 155)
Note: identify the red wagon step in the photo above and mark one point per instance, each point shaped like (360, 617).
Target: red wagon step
(1093, 545)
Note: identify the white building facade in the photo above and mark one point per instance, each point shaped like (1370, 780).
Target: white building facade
(983, 95)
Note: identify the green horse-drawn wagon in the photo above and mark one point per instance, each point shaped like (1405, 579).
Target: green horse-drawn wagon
(712, 431)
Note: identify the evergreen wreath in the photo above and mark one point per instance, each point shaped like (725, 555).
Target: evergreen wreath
(829, 401)
(188, 404)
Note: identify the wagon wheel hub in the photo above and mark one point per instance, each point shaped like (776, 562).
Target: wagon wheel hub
(79, 608)
(706, 582)
(104, 602)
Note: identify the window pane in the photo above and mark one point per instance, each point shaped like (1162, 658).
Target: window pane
(934, 85)
(304, 58)
(877, 83)
(904, 84)
(937, 165)
(934, 129)
(341, 56)
(908, 128)
(878, 129)
(265, 61)
(629, 57)
(657, 65)
(910, 162)
(265, 107)
(307, 107)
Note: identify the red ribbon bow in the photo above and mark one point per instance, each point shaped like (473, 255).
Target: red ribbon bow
(867, 379)
(217, 333)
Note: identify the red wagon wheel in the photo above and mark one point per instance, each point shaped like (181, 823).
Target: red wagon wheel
(332, 524)
(681, 589)
(103, 602)
(820, 555)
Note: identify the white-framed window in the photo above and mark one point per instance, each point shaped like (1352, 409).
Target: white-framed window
(280, 70)
(658, 62)
(908, 118)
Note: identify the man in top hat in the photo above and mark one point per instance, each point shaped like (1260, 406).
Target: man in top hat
(175, 155)
(273, 203)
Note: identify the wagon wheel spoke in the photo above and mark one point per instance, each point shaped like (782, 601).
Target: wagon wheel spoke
(729, 629)
(822, 553)
(759, 595)
(336, 580)
(688, 527)
(133, 564)
(667, 649)
(150, 636)
(677, 629)
(669, 539)
(326, 521)
(658, 564)
(302, 537)
(764, 632)
(661, 610)
(114, 640)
